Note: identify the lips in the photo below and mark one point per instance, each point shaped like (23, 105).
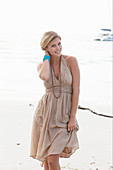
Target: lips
(58, 52)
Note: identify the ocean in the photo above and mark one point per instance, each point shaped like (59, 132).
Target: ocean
(19, 59)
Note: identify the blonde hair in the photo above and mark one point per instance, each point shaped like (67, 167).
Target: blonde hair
(47, 38)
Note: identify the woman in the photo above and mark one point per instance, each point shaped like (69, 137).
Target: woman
(54, 123)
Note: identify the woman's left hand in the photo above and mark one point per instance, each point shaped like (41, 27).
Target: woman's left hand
(71, 124)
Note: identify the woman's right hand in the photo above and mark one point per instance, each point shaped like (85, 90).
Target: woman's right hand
(47, 53)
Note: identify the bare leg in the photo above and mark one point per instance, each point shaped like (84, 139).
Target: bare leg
(46, 166)
(53, 162)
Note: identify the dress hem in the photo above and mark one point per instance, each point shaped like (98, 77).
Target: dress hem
(61, 155)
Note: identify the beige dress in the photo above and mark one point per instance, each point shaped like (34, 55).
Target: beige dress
(49, 129)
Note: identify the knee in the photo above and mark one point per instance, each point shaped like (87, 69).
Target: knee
(52, 162)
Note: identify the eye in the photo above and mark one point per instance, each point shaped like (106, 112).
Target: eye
(59, 43)
(53, 45)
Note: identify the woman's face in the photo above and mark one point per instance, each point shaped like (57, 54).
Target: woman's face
(55, 47)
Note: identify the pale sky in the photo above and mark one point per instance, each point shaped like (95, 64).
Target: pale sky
(31, 18)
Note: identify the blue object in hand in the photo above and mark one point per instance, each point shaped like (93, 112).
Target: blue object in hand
(46, 57)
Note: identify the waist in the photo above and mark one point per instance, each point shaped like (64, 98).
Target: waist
(64, 89)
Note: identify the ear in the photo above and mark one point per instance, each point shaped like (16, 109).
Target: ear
(46, 48)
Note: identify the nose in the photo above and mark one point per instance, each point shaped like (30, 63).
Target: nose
(57, 48)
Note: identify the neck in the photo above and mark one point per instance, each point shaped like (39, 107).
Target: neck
(55, 60)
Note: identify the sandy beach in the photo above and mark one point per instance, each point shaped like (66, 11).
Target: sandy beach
(15, 126)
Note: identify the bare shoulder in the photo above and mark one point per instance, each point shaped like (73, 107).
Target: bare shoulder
(71, 61)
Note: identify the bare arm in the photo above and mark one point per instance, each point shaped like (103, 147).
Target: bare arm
(44, 70)
(76, 88)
